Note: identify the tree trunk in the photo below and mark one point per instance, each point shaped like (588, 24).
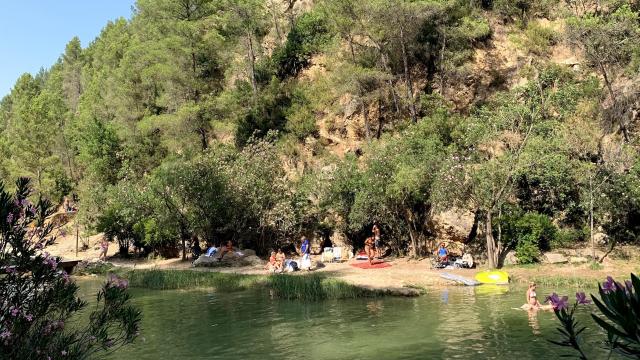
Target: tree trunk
(203, 138)
(407, 76)
(380, 121)
(385, 66)
(275, 22)
(353, 51)
(252, 64)
(491, 244)
(593, 243)
(623, 127)
(196, 92)
(365, 114)
(412, 234)
(183, 238)
(442, 70)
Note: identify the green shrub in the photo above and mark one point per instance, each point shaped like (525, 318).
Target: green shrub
(309, 33)
(268, 114)
(538, 38)
(529, 233)
(301, 120)
(527, 250)
(567, 237)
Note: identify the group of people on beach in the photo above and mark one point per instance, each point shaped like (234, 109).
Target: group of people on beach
(212, 251)
(278, 260)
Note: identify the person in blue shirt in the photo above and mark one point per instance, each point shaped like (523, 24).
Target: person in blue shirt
(305, 250)
(443, 253)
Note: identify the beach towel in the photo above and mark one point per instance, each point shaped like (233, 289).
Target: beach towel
(375, 265)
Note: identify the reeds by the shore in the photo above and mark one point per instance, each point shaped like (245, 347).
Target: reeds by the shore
(282, 286)
(315, 287)
(560, 281)
(184, 279)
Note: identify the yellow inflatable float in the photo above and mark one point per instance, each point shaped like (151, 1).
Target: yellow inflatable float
(493, 277)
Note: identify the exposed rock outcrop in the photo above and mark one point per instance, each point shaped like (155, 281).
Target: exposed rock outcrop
(240, 258)
(554, 258)
(453, 225)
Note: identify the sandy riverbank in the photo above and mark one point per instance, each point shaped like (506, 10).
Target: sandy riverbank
(402, 274)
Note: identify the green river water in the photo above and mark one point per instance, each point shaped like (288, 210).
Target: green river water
(453, 323)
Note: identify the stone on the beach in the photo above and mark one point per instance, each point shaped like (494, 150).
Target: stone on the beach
(455, 224)
(578, 260)
(338, 239)
(253, 260)
(601, 238)
(510, 258)
(230, 259)
(205, 261)
(586, 252)
(554, 258)
(248, 252)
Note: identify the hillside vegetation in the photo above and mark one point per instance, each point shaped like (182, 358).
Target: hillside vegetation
(260, 120)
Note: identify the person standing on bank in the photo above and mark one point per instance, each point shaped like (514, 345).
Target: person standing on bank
(377, 240)
(305, 250)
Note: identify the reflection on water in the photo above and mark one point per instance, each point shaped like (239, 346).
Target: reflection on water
(533, 321)
(454, 323)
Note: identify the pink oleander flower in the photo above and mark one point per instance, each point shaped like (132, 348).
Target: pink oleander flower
(581, 298)
(63, 352)
(609, 285)
(5, 334)
(9, 218)
(558, 303)
(65, 276)
(14, 311)
(50, 261)
(115, 281)
(29, 317)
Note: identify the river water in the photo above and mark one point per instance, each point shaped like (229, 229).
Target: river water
(452, 323)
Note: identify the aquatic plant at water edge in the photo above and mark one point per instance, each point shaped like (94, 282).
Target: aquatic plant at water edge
(315, 287)
(620, 307)
(38, 299)
(185, 279)
(292, 287)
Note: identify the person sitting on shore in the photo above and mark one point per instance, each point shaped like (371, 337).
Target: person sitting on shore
(280, 259)
(195, 248)
(211, 250)
(226, 249)
(370, 249)
(272, 265)
(443, 253)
